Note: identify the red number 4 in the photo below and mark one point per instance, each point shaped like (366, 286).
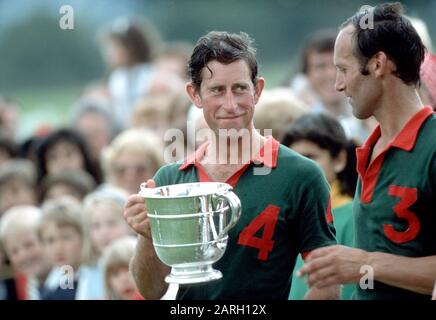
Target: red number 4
(265, 244)
(407, 196)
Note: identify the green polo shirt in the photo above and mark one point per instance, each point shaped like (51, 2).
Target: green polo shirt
(344, 225)
(395, 201)
(284, 213)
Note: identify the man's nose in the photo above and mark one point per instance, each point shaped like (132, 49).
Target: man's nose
(339, 82)
(230, 103)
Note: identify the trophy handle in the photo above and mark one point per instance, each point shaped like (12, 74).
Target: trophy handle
(235, 208)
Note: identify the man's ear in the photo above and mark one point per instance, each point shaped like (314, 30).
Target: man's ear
(382, 65)
(194, 94)
(260, 84)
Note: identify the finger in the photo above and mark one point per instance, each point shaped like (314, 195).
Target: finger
(140, 224)
(143, 228)
(320, 252)
(320, 275)
(138, 219)
(151, 183)
(132, 200)
(135, 210)
(313, 265)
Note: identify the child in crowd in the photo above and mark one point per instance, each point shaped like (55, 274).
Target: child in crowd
(128, 50)
(72, 183)
(18, 235)
(17, 184)
(66, 246)
(103, 211)
(119, 283)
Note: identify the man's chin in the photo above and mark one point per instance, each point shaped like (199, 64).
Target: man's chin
(360, 115)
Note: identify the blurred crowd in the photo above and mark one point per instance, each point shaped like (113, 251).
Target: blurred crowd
(62, 190)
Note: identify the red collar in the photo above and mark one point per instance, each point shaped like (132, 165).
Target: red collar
(270, 145)
(406, 138)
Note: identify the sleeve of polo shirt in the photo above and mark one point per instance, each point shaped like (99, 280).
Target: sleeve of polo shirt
(315, 221)
(162, 177)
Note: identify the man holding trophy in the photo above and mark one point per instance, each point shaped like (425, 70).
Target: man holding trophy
(242, 201)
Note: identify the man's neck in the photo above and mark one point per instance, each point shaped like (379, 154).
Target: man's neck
(396, 109)
(234, 150)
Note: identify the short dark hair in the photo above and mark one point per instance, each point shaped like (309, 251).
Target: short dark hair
(225, 48)
(393, 34)
(322, 41)
(326, 132)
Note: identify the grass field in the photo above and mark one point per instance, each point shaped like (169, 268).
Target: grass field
(43, 107)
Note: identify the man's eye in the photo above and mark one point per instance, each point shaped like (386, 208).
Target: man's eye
(241, 88)
(216, 90)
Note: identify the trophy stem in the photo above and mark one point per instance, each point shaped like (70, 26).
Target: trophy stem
(193, 274)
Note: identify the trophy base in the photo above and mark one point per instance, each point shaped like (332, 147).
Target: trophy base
(192, 275)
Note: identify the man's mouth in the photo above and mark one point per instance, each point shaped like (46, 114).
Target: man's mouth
(229, 117)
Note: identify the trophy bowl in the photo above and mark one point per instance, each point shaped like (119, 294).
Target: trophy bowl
(189, 227)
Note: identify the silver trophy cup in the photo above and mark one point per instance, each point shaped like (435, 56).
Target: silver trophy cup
(189, 226)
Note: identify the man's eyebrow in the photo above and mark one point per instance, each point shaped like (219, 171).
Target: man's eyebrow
(215, 86)
(240, 84)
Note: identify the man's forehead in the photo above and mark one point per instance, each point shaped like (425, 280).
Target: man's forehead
(213, 67)
(343, 44)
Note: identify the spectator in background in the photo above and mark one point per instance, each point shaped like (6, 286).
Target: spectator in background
(94, 121)
(8, 282)
(76, 184)
(277, 109)
(118, 281)
(8, 149)
(153, 112)
(319, 71)
(18, 234)
(65, 150)
(128, 50)
(316, 85)
(321, 138)
(103, 212)
(174, 58)
(132, 158)
(65, 242)
(97, 91)
(428, 80)
(427, 89)
(8, 118)
(17, 184)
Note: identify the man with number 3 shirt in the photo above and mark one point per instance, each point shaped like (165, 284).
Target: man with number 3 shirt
(394, 206)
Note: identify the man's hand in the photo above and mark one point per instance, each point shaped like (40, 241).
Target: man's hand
(333, 265)
(135, 213)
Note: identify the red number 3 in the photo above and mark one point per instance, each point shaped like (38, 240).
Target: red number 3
(407, 196)
(267, 218)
